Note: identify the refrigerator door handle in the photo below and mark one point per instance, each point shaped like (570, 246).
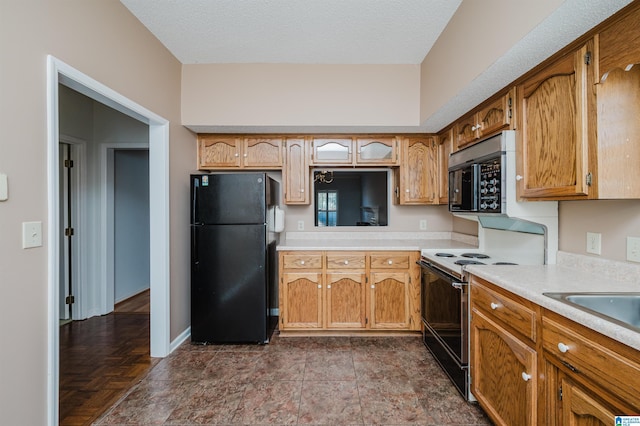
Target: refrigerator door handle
(195, 255)
(196, 185)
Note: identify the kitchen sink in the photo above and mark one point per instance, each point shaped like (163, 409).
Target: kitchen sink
(621, 308)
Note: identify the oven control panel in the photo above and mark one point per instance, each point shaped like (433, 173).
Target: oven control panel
(490, 187)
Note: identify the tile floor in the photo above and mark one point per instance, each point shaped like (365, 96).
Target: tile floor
(297, 380)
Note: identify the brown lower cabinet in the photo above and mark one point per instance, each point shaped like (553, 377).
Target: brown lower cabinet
(531, 366)
(349, 290)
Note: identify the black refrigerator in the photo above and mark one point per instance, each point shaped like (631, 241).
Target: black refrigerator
(233, 258)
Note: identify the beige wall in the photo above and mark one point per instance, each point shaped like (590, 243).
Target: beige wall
(479, 33)
(103, 40)
(300, 95)
(614, 219)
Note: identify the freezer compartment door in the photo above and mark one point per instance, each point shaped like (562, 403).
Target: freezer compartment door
(229, 284)
(231, 198)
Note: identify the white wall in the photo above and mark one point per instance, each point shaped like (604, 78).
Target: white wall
(131, 222)
(103, 40)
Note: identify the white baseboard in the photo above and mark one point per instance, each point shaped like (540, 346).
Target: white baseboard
(180, 339)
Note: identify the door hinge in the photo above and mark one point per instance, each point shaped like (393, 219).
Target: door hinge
(70, 300)
(68, 232)
(510, 105)
(587, 58)
(366, 280)
(589, 179)
(68, 163)
(366, 321)
(560, 393)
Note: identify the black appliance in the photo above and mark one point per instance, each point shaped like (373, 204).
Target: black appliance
(477, 183)
(233, 257)
(444, 311)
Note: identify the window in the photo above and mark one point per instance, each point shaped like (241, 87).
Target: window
(327, 208)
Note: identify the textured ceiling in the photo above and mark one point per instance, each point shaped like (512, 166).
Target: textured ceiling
(296, 31)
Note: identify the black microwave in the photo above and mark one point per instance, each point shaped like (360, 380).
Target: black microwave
(476, 179)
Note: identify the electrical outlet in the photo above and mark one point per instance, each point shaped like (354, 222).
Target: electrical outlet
(301, 225)
(633, 249)
(594, 243)
(423, 224)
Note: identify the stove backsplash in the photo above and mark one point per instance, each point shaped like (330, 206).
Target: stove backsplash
(519, 247)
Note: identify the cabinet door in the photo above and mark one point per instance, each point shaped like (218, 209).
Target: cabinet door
(495, 116)
(419, 171)
(295, 173)
(556, 128)
(262, 153)
(380, 151)
(618, 95)
(579, 408)
(445, 147)
(345, 300)
(503, 373)
(389, 306)
(215, 152)
(332, 151)
(466, 131)
(301, 300)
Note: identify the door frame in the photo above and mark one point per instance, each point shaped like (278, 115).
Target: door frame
(79, 249)
(59, 72)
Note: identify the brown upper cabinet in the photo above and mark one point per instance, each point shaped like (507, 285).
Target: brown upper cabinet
(232, 152)
(486, 120)
(295, 172)
(618, 96)
(445, 147)
(342, 151)
(557, 107)
(416, 180)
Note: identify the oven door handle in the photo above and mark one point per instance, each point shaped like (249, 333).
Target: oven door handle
(442, 274)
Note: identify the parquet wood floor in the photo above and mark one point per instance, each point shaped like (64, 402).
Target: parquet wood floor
(100, 359)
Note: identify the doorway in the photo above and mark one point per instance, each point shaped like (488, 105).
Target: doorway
(60, 73)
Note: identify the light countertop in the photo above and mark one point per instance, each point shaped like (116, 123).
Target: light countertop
(531, 282)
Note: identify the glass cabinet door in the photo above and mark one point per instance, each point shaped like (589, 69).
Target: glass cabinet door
(377, 151)
(332, 151)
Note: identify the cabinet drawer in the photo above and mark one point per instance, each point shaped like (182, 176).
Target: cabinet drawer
(593, 357)
(345, 260)
(302, 261)
(389, 261)
(512, 313)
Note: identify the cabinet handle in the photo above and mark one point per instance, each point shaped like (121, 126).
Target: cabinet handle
(494, 306)
(473, 128)
(346, 262)
(518, 177)
(562, 347)
(526, 377)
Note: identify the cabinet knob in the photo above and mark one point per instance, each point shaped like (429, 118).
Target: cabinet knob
(494, 306)
(319, 285)
(406, 190)
(302, 190)
(373, 286)
(518, 177)
(391, 262)
(302, 262)
(346, 262)
(526, 377)
(328, 285)
(237, 155)
(473, 128)
(562, 347)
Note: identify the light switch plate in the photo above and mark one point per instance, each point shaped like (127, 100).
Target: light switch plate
(423, 224)
(594, 243)
(301, 225)
(31, 234)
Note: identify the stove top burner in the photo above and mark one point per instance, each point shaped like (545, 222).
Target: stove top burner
(468, 262)
(504, 263)
(475, 255)
(445, 255)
